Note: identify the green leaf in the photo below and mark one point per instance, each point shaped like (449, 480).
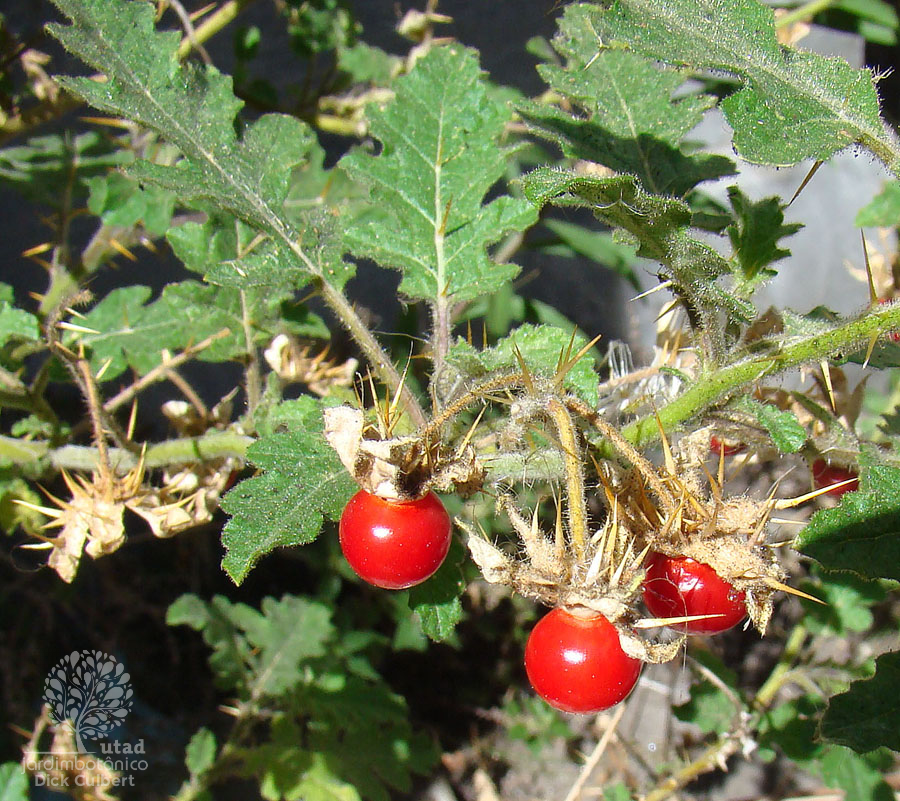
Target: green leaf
(540, 346)
(754, 234)
(862, 534)
(865, 717)
(792, 104)
(783, 426)
(200, 754)
(13, 782)
(121, 201)
(126, 331)
(15, 323)
(847, 601)
(231, 653)
(303, 482)
(617, 792)
(44, 164)
(437, 601)
(841, 768)
(439, 157)
(883, 211)
(192, 107)
(292, 632)
(636, 115)
(659, 225)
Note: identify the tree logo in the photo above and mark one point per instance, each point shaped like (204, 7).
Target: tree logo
(90, 692)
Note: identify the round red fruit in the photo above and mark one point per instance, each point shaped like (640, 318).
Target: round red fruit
(394, 544)
(677, 586)
(576, 663)
(824, 475)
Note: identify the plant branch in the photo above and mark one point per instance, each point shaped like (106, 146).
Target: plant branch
(712, 758)
(252, 377)
(766, 694)
(803, 13)
(717, 386)
(161, 371)
(186, 450)
(372, 350)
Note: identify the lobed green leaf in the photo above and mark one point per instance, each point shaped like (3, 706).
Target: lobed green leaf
(440, 155)
(302, 483)
(635, 114)
(792, 104)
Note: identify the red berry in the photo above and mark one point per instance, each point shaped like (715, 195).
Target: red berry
(824, 475)
(391, 544)
(717, 445)
(677, 586)
(577, 663)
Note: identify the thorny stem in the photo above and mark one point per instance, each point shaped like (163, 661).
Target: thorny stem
(440, 343)
(717, 386)
(626, 449)
(474, 395)
(575, 505)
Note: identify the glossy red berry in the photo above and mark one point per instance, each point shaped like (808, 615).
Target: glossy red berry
(677, 586)
(394, 545)
(577, 663)
(717, 445)
(824, 475)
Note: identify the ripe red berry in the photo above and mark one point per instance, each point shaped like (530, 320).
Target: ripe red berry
(677, 586)
(717, 445)
(577, 663)
(824, 475)
(394, 545)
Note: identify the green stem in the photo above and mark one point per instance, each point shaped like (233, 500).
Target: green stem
(803, 13)
(715, 387)
(773, 684)
(209, 447)
(213, 24)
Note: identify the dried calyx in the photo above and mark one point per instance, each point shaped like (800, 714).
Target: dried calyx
(399, 468)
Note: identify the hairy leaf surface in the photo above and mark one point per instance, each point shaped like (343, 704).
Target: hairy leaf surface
(303, 482)
(635, 121)
(793, 104)
(440, 155)
(193, 108)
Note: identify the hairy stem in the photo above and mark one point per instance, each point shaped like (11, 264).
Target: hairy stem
(373, 351)
(252, 376)
(717, 386)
